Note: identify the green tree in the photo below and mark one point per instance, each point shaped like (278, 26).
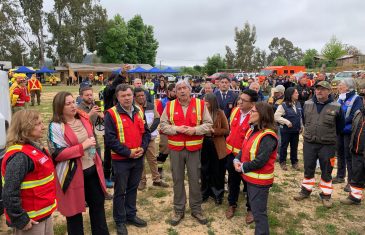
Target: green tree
(96, 24)
(214, 63)
(259, 59)
(280, 61)
(113, 45)
(333, 50)
(284, 48)
(308, 58)
(230, 58)
(245, 40)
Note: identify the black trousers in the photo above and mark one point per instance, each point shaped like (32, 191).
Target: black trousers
(95, 199)
(344, 159)
(107, 163)
(258, 197)
(234, 183)
(213, 171)
(286, 139)
(325, 154)
(127, 175)
(358, 171)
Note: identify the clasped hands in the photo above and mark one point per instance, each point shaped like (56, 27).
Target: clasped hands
(187, 130)
(137, 152)
(237, 166)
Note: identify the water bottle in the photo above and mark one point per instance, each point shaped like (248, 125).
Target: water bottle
(92, 152)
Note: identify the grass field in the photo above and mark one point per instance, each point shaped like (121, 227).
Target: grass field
(286, 216)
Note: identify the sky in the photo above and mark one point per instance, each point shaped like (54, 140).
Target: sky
(188, 31)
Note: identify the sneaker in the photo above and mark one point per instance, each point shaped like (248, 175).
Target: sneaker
(349, 201)
(230, 212)
(300, 196)
(200, 218)
(160, 184)
(283, 166)
(121, 229)
(109, 183)
(249, 217)
(138, 222)
(141, 186)
(327, 202)
(347, 188)
(337, 180)
(176, 218)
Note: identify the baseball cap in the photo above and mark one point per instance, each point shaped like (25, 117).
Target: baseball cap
(279, 88)
(324, 84)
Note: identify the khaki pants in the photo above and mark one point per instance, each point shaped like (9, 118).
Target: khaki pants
(178, 161)
(152, 162)
(43, 228)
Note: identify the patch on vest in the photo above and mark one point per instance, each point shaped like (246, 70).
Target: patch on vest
(43, 160)
(194, 110)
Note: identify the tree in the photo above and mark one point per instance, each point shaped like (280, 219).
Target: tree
(280, 61)
(259, 59)
(214, 63)
(308, 58)
(284, 48)
(352, 50)
(333, 50)
(245, 40)
(230, 58)
(96, 24)
(113, 45)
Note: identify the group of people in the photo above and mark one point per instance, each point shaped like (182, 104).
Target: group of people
(227, 128)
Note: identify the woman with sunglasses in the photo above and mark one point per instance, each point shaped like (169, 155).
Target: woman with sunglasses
(256, 162)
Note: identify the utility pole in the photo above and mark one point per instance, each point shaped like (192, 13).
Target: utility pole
(160, 64)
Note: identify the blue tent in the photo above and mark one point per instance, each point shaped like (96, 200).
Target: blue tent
(117, 71)
(154, 70)
(138, 70)
(23, 69)
(45, 70)
(169, 70)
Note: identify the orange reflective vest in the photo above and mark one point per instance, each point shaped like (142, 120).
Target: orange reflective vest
(38, 188)
(264, 175)
(129, 131)
(193, 117)
(34, 84)
(19, 97)
(237, 133)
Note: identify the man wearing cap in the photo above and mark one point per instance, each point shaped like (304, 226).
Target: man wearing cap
(19, 96)
(278, 97)
(357, 149)
(234, 86)
(322, 122)
(196, 89)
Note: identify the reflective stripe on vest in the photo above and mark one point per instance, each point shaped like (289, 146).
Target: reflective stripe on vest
(233, 149)
(233, 114)
(34, 85)
(172, 109)
(33, 214)
(119, 125)
(198, 106)
(186, 143)
(260, 176)
(349, 105)
(36, 183)
(253, 149)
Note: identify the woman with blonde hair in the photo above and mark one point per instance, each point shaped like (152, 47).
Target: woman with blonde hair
(79, 168)
(29, 193)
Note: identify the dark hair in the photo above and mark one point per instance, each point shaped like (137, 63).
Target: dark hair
(213, 105)
(254, 97)
(57, 106)
(86, 88)
(123, 87)
(288, 95)
(137, 90)
(266, 114)
(171, 86)
(224, 76)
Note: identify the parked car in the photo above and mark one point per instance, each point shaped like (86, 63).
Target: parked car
(340, 76)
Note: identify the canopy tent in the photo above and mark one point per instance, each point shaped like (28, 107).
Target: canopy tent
(169, 70)
(23, 69)
(138, 70)
(45, 70)
(154, 70)
(117, 71)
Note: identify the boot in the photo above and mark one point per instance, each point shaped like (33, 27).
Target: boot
(327, 202)
(176, 218)
(349, 201)
(283, 166)
(300, 196)
(347, 188)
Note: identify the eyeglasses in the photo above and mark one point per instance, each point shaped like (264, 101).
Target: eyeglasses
(243, 100)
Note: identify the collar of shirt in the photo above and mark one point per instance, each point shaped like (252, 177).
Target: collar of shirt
(129, 113)
(243, 116)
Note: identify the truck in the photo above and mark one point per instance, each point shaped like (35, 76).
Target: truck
(279, 70)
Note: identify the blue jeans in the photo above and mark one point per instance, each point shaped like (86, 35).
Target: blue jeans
(127, 176)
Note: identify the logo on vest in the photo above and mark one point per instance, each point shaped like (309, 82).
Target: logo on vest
(34, 152)
(176, 113)
(43, 160)
(194, 110)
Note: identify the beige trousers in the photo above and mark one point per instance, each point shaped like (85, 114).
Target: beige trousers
(152, 162)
